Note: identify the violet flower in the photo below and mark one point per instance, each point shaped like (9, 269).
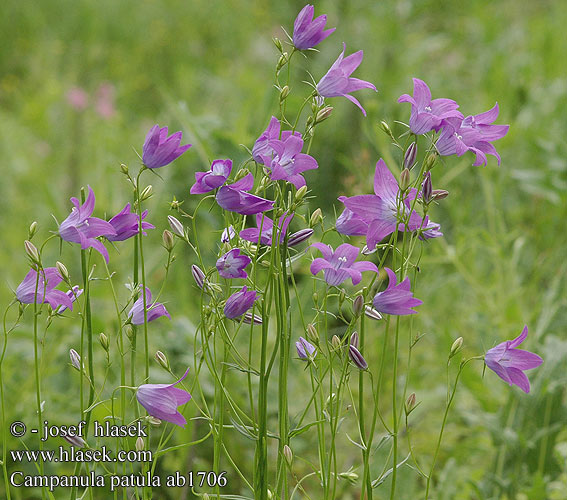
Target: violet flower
(161, 400)
(305, 350)
(227, 234)
(127, 224)
(266, 224)
(308, 32)
(159, 149)
(351, 224)
(338, 82)
(238, 303)
(430, 230)
(154, 311)
(427, 114)
(232, 264)
(397, 299)
(340, 265)
(380, 210)
(509, 363)
(80, 227)
(357, 358)
(216, 177)
(73, 295)
(262, 145)
(49, 278)
(235, 198)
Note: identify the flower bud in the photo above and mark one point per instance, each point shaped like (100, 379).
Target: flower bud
(354, 339)
(323, 114)
(76, 441)
(140, 445)
(176, 226)
(430, 161)
(161, 358)
(311, 333)
(63, 271)
(281, 61)
(206, 496)
(410, 155)
(386, 128)
(299, 237)
(315, 298)
(129, 332)
(316, 217)
(368, 251)
(456, 347)
(278, 44)
(284, 93)
(198, 275)
(32, 230)
(32, 252)
(358, 305)
(153, 421)
(103, 339)
(288, 454)
(336, 342)
(243, 172)
(439, 194)
(357, 358)
(410, 403)
(75, 359)
(405, 179)
(227, 234)
(350, 476)
(124, 168)
(300, 194)
(146, 193)
(168, 241)
(372, 313)
(252, 318)
(427, 188)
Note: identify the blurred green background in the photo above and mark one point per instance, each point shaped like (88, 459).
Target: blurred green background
(206, 68)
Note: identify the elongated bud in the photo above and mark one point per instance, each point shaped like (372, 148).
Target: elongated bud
(300, 194)
(278, 44)
(315, 298)
(405, 179)
(284, 93)
(299, 237)
(316, 217)
(427, 188)
(439, 194)
(252, 318)
(32, 252)
(357, 358)
(168, 241)
(63, 271)
(386, 128)
(456, 347)
(146, 193)
(124, 168)
(336, 342)
(76, 441)
(410, 403)
(323, 114)
(350, 476)
(288, 454)
(75, 359)
(243, 172)
(410, 156)
(130, 332)
(140, 445)
(311, 333)
(32, 230)
(358, 305)
(153, 421)
(227, 234)
(372, 313)
(430, 161)
(354, 339)
(368, 251)
(103, 339)
(161, 358)
(176, 226)
(282, 60)
(198, 275)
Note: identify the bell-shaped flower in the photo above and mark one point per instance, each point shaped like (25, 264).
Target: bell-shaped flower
(238, 303)
(161, 400)
(159, 149)
(308, 32)
(509, 363)
(216, 177)
(235, 198)
(338, 82)
(339, 265)
(127, 224)
(397, 299)
(265, 228)
(262, 146)
(49, 278)
(154, 311)
(305, 350)
(232, 264)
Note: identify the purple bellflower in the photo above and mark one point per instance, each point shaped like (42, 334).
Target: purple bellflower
(80, 227)
(253, 234)
(49, 278)
(161, 400)
(380, 210)
(262, 146)
(235, 198)
(305, 350)
(216, 177)
(73, 295)
(430, 230)
(127, 224)
(159, 149)
(308, 32)
(232, 264)
(154, 311)
(227, 234)
(509, 363)
(357, 358)
(239, 302)
(427, 114)
(338, 82)
(397, 299)
(339, 265)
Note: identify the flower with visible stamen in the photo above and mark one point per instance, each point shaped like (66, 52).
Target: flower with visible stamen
(216, 177)
(232, 264)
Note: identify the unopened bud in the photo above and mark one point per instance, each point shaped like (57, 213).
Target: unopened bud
(456, 347)
(252, 318)
(206, 496)
(227, 234)
(63, 271)
(282, 60)
(168, 241)
(323, 114)
(358, 305)
(386, 128)
(176, 226)
(32, 230)
(161, 358)
(140, 445)
(32, 252)
(153, 421)
(410, 156)
(315, 298)
(130, 332)
(288, 454)
(372, 313)
(410, 403)
(300, 194)
(430, 161)
(124, 168)
(357, 358)
(368, 251)
(336, 342)
(350, 476)
(270, 495)
(284, 93)
(146, 193)
(311, 333)
(439, 194)
(76, 441)
(75, 359)
(243, 172)
(427, 188)
(198, 275)
(405, 179)
(354, 339)
(278, 44)
(103, 339)
(316, 217)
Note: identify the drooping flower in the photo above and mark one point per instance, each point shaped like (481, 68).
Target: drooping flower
(235, 198)
(232, 264)
(509, 363)
(238, 303)
(159, 149)
(73, 295)
(305, 350)
(154, 311)
(127, 224)
(338, 82)
(380, 211)
(427, 114)
(397, 299)
(216, 177)
(266, 225)
(339, 265)
(308, 32)
(49, 278)
(80, 227)
(262, 145)
(161, 400)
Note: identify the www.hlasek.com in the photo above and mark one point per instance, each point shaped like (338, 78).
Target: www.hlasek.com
(74, 455)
